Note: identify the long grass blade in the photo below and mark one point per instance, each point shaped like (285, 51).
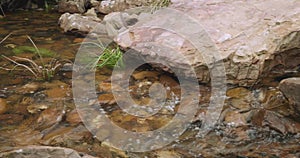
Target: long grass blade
(37, 50)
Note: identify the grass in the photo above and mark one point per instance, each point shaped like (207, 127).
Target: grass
(40, 72)
(157, 4)
(111, 56)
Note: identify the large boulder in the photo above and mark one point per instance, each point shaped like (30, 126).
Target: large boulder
(255, 38)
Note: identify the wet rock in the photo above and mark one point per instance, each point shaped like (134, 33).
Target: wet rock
(240, 98)
(107, 99)
(10, 119)
(291, 89)
(35, 108)
(275, 121)
(68, 136)
(108, 6)
(235, 118)
(246, 57)
(3, 106)
(44, 151)
(73, 117)
(29, 88)
(72, 6)
(85, 24)
(274, 100)
(284, 125)
(145, 74)
(67, 67)
(49, 117)
(56, 90)
(167, 154)
(104, 87)
(91, 12)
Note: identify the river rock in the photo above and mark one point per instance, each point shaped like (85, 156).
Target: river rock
(290, 87)
(72, 6)
(3, 106)
(108, 6)
(85, 24)
(44, 151)
(254, 38)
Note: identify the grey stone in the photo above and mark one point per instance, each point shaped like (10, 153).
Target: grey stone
(255, 39)
(108, 6)
(84, 24)
(72, 6)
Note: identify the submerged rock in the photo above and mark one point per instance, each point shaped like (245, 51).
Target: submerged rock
(3, 106)
(44, 151)
(291, 89)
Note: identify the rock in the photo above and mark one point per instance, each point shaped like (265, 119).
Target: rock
(49, 118)
(108, 6)
(85, 24)
(275, 121)
(290, 87)
(145, 74)
(71, 6)
(73, 117)
(45, 151)
(91, 12)
(240, 98)
(106, 99)
(3, 106)
(167, 154)
(67, 136)
(234, 118)
(104, 87)
(10, 119)
(253, 40)
(67, 67)
(29, 88)
(35, 108)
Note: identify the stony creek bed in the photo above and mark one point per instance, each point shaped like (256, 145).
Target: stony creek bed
(39, 118)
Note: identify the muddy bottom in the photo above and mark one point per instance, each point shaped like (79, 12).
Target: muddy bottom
(37, 111)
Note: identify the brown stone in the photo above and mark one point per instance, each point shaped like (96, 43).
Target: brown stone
(73, 117)
(3, 106)
(291, 89)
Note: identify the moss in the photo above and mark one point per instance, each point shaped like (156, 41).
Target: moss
(28, 49)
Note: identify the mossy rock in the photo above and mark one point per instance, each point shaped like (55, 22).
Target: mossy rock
(28, 49)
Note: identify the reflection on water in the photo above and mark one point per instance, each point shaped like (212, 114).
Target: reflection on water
(39, 112)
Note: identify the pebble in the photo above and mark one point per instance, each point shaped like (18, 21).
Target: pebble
(3, 106)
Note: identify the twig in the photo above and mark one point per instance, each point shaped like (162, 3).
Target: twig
(34, 65)
(19, 64)
(5, 38)
(2, 11)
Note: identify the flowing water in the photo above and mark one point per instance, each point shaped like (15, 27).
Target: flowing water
(39, 112)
